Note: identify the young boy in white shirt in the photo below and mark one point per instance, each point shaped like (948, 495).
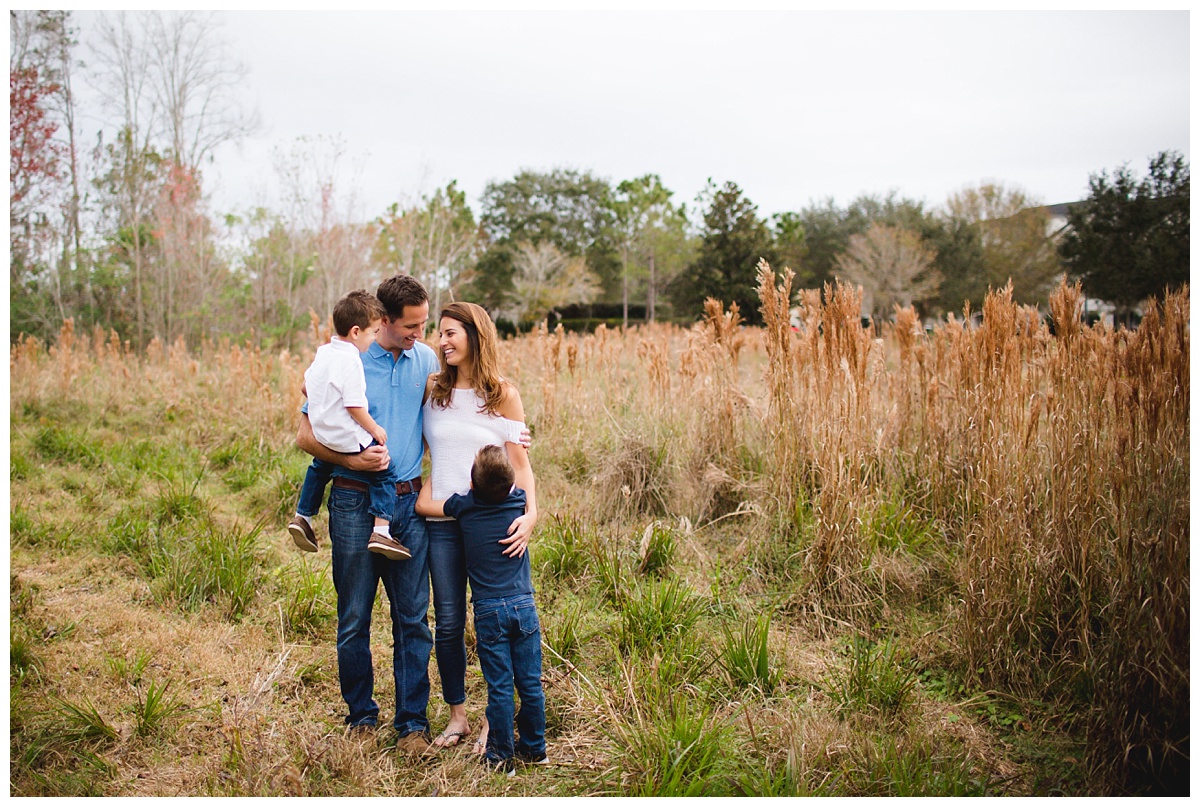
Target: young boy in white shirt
(337, 409)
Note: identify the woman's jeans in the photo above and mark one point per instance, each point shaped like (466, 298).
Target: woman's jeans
(448, 574)
(356, 576)
(509, 640)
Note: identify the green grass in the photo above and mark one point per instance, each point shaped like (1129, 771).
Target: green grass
(656, 612)
(747, 657)
(66, 446)
(657, 550)
(873, 678)
(561, 552)
(906, 766)
(681, 751)
(153, 708)
(82, 721)
(129, 670)
(308, 601)
(209, 565)
(28, 529)
(23, 660)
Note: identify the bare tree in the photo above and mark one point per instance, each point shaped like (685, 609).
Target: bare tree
(122, 81)
(1014, 231)
(545, 278)
(326, 242)
(171, 89)
(892, 267)
(196, 85)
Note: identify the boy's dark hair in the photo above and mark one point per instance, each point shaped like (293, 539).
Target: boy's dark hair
(399, 291)
(358, 307)
(491, 475)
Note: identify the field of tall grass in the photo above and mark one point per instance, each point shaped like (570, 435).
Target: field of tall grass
(838, 561)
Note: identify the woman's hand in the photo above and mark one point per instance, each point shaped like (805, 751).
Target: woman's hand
(519, 533)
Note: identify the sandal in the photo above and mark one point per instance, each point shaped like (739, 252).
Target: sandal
(443, 740)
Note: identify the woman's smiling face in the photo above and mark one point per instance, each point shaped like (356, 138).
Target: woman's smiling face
(452, 341)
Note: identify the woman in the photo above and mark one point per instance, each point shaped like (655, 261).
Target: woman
(467, 406)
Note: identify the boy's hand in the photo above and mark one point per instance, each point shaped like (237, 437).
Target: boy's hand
(379, 433)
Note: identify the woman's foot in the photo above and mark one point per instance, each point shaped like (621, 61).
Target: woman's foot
(456, 731)
(481, 744)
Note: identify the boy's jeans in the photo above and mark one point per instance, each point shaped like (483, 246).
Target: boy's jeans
(316, 479)
(510, 652)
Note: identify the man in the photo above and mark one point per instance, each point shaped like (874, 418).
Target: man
(396, 367)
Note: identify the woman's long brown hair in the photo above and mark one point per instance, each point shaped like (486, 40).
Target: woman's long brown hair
(484, 356)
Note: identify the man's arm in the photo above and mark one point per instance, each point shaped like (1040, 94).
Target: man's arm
(372, 459)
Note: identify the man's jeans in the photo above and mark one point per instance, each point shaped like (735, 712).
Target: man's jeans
(448, 573)
(356, 576)
(316, 479)
(510, 652)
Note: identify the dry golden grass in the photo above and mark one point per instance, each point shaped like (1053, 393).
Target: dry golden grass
(1011, 503)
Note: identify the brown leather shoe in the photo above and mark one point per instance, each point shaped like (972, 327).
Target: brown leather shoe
(414, 744)
(389, 547)
(303, 535)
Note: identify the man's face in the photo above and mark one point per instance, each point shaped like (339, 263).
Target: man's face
(403, 332)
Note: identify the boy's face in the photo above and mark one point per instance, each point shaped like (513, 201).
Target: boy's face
(363, 337)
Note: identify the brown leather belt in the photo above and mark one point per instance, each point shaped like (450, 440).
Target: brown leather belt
(402, 488)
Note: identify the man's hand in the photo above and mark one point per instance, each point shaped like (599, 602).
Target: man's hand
(372, 459)
(519, 533)
(526, 438)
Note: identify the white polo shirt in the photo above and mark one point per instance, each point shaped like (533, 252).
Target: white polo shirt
(334, 381)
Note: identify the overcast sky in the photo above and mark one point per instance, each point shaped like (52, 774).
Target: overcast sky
(794, 107)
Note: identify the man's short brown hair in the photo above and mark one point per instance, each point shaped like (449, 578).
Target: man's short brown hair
(492, 475)
(358, 307)
(400, 291)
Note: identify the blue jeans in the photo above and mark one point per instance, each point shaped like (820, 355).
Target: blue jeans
(510, 652)
(448, 574)
(316, 479)
(356, 576)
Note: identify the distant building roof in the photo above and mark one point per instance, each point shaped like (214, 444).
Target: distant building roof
(1060, 210)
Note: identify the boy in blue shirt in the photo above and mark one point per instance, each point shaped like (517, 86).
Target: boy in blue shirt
(509, 637)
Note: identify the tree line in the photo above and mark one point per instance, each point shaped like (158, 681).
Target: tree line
(118, 231)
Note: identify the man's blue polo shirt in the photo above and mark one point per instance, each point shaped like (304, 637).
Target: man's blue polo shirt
(395, 388)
